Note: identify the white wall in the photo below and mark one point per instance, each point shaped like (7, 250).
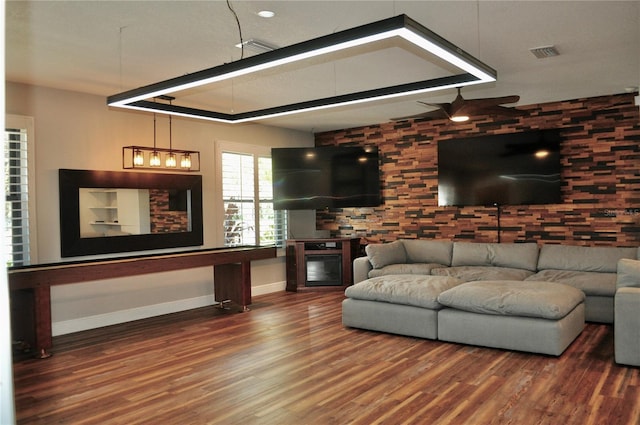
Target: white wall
(78, 131)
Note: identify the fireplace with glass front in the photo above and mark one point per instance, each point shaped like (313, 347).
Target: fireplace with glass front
(320, 264)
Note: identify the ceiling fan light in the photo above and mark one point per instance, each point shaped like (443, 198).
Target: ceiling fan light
(459, 118)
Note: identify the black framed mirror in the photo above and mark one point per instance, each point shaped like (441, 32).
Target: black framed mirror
(104, 212)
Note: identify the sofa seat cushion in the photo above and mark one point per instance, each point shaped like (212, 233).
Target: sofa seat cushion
(545, 300)
(591, 283)
(409, 268)
(473, 273)
(414, 290)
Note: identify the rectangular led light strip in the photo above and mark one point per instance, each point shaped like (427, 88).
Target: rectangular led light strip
(475, 72)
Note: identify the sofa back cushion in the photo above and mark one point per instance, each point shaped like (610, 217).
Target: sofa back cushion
(404, 268)
(381, 255)
(514, 255)
(473, 273)
(583, 258)
(628, 273)
(428, 251)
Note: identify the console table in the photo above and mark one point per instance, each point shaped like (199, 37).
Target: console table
(231, 270)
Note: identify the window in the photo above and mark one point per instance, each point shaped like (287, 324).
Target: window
(19, 191)
(247, 195)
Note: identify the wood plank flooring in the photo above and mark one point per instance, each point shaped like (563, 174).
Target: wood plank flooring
(290, 361)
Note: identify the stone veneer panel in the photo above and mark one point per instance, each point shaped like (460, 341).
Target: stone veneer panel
(163, 219)
(600, 173)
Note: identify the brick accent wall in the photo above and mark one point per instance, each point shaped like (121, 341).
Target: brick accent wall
(163, 220)
(600, 179)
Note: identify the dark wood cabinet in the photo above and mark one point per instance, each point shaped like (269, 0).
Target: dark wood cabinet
(321, 264)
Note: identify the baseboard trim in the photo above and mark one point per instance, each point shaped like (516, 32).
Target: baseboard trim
(107, 319)
(268, 288)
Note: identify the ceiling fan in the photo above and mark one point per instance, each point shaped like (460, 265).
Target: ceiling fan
(462, 109)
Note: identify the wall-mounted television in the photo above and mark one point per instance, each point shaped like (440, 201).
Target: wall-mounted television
(506, 169)
(325, 177)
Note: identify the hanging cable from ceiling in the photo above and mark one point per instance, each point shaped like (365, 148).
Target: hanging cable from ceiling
(239, 29)
(120, 54)
(478, 27)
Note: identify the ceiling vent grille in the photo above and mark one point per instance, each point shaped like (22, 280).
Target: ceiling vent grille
(256, 45)
(544, 52)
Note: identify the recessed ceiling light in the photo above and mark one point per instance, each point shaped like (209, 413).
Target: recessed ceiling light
(266, 14)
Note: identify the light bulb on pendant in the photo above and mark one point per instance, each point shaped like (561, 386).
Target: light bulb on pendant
(154, 159)
(170, 160)
(185, 161)
(138, 158)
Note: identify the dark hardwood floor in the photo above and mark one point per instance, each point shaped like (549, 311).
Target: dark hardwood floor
(290, 361)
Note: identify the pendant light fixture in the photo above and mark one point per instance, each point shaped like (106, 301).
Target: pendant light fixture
(464, 69)
(134, 156)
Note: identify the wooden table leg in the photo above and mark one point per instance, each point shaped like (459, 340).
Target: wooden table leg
(233, 282)
(42, 316)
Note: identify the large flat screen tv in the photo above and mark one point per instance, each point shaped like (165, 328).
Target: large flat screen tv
(507, 169)
(325, 177)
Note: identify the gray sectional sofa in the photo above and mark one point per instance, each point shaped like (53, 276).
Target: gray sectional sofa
(514, 296)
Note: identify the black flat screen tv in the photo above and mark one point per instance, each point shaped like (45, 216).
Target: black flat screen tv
(507, 169)
(325, 177)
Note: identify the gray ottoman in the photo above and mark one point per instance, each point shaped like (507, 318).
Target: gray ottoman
(537, 317)
(399, 304)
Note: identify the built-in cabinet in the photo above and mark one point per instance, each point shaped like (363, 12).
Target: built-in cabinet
(108, 212)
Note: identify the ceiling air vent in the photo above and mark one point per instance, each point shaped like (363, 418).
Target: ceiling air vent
(257, 46)
(544, 52)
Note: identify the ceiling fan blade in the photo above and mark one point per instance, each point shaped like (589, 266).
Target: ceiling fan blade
(471, 107)
(458, 103)
(438, 113)
(493, 101)
(435, 105)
